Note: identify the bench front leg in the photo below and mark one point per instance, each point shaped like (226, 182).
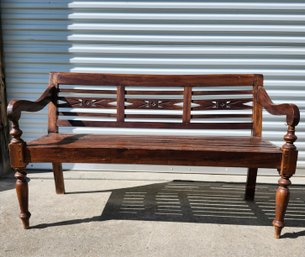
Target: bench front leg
(17, 158)
(23, 196)
(288, 167)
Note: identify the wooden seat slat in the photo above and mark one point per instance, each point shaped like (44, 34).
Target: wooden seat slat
(153, 142)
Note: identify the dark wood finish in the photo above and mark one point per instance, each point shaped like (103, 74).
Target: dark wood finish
(87, 114)
(281, 200)
(155, 142)
(22, 191)
(114, 115)
(58, 178)
(257, 116)
(222, 116)
(161, 125)
(222, 92)
(174, 150)
(143, 80)
(291, 111)
(153, 104)
(222, 104)
(153, 116)
(289, 154)
(87, 91)
(154, 92)
(250, 184)
(187, 105)
(85, 102)
(120, 103)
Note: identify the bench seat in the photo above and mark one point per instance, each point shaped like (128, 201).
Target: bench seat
(155, 149)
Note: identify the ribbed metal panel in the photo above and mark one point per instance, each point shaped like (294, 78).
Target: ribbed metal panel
(160, 37)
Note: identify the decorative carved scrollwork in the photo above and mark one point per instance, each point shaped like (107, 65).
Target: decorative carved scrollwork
(221, 104)
(87, 102)
(153, 104)
(164, 104)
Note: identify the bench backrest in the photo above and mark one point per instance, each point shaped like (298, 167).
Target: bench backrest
(156, 101)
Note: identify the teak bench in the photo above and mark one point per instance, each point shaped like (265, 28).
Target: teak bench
(229, 102)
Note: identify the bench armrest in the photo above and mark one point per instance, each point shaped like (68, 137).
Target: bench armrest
(16, 107)
(289, 150)
(290, 110)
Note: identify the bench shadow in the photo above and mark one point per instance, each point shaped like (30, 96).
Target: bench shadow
(197, 202)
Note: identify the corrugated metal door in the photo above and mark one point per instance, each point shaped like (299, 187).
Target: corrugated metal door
(184, 37)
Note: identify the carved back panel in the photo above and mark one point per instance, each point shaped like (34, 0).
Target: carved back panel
(155, 101)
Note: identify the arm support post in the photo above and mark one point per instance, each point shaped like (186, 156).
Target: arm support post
(17, 147)
(289, 155)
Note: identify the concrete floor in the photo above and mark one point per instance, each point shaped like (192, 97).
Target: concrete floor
(106, 214)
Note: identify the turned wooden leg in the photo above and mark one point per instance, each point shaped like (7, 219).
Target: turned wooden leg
(23, 197)
(281, 201)
(59, 178)
(251, 183)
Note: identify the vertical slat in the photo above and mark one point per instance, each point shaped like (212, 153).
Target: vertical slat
(52, 116)
(257, 117)
(187, 99)
(120, 103)
(257, 108)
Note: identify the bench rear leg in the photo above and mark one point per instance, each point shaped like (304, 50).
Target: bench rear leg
(23, 196)
(251, 183)
(58, 178)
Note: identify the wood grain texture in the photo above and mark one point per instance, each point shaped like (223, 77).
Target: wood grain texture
(22, 191)
(153, 104)
(223, 104)
(15, 107)
(281, 199)
(153, 142)
(72, 78)
(170, 150)
(223, 92)
(291, 111)
(87, 91)
(153, 92)
(158, 125)
(152, 98)
(86, 102)
(189, 105)
(58, 178)
(120, 103)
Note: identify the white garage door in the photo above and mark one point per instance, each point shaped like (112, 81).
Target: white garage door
(161, 37)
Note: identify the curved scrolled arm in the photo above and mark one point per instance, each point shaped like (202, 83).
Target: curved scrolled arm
(290, 110)
(16, 107)
(289, 150)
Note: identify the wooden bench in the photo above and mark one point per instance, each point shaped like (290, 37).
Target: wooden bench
(200, 102)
